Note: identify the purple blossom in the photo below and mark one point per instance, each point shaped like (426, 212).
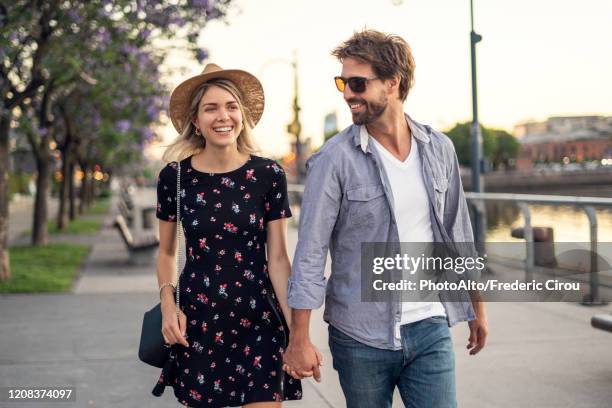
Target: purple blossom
(102, 12)
(165, 100)
(120, 103)
(144, 34)
(96, 119)
(157, 101)
(207, 5)
(123, 125)
(129, 49)
(177, 20)
(212, 14)
(75, 16)
(143, 58)
(152, 112)
(104, 37)
(201, 54)
(136, 146)
(147, 134)
(160, 19)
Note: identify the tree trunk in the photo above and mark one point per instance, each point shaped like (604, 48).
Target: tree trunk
(63, 192)
(71, 190)
(83, 191)
(5, 271)
(40, 235)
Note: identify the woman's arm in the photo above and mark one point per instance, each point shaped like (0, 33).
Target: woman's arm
(166, 258)
(279, 266)
(172, 330)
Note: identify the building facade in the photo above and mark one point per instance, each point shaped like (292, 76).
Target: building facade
(567, 139)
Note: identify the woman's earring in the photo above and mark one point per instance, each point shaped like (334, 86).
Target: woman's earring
(197, 132)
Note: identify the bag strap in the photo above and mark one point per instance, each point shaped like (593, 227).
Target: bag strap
(179, 233)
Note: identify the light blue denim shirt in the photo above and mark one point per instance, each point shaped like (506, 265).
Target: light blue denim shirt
(348, 200)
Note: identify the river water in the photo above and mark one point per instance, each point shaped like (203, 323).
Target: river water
(570, 224)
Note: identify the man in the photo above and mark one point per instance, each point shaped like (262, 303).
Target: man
(386, 178)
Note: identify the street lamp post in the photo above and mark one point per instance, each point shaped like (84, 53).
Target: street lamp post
(295, 127)
(477, 161)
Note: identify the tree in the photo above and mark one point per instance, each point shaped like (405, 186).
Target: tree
(49, 47)
(499, 147)
(507, 149)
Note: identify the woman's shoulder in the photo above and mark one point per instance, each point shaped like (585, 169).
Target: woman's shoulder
(168, 172)
(267, 165)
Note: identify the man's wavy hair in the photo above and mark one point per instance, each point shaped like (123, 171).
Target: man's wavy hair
(388, 54)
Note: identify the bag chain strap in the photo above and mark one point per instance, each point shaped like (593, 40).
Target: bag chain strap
(179, 233)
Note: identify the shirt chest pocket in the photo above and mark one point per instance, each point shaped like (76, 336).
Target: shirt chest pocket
(365, 204)
(440, 186)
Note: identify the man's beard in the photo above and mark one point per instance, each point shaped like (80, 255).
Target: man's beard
(373, 111)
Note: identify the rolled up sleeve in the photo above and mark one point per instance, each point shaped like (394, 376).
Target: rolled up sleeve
(318, 215)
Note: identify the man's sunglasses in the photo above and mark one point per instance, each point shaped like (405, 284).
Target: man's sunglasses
(357, 84)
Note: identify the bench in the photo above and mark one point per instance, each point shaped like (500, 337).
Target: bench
(603, 322)
(127, 199)
(141, 249)
(127, 214)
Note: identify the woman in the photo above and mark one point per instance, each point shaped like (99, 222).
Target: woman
(228, 342)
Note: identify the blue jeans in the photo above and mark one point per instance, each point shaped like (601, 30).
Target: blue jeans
(423, 370)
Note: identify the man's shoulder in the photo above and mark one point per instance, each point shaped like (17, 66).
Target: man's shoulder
(440, 142)
(338, 146)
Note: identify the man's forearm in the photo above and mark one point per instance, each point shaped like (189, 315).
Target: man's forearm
(478, 304)
(300, 325)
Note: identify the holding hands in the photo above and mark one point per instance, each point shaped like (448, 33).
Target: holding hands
(302, 359)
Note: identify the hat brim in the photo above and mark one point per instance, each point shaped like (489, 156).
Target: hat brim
(249, 86)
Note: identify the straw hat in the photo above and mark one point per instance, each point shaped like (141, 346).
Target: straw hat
(249, 86)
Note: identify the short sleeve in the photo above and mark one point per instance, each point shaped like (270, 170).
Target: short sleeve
(276, 199)
(166, 193)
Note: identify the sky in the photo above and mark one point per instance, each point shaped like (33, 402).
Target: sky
(538, 58)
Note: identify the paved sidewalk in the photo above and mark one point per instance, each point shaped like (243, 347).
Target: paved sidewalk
(540, 355)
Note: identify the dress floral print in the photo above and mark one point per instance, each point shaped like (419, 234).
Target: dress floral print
(235, 328)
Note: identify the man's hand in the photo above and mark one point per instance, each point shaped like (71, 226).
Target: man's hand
(479, 330)
(302, 359)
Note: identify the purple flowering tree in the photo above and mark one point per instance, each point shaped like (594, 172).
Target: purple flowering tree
(99, 53)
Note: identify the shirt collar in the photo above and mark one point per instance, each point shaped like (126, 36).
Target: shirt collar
(360, 133)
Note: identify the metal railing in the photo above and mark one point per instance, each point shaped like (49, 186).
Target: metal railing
(523, 201)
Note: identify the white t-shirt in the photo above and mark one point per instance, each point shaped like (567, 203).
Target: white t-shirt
(412, 215)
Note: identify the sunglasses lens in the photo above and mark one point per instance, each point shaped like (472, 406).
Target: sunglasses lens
(357, 84)
(339, 83)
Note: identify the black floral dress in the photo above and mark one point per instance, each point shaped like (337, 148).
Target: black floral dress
(235, 328)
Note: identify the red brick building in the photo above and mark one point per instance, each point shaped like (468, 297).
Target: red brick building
(564, 140)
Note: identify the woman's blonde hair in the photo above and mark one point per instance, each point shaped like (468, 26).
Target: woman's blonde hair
(188, 143)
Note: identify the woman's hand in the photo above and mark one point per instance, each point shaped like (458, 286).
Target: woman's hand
(173, 329)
